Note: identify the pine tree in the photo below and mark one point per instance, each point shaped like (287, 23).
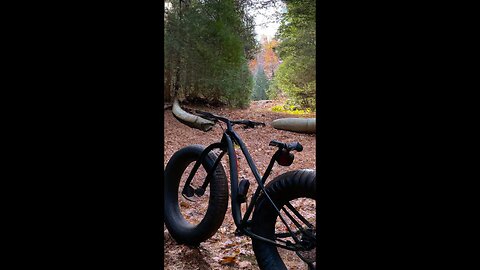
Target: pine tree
(296, 75)
(207, 48)
(260, 85)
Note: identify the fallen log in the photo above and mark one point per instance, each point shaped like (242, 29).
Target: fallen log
(190, 119)
(301, 125)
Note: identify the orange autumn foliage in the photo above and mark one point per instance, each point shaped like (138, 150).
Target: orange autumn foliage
(270, 58)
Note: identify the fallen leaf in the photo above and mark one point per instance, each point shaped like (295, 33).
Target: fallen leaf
(244, 264)
(230, 244)
(228, 260)
(178, 135)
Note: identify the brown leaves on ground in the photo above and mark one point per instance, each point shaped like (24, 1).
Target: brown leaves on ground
(224, 250)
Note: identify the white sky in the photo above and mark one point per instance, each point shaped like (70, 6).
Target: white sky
(263, 17)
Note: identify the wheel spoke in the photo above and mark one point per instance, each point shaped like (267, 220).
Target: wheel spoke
(281, 240)
(298, 215)
(300, 228)
(284, 235)
(293, 221)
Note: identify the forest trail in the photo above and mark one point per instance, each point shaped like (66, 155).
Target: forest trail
(224, 250)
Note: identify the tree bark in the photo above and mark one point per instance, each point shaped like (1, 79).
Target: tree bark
(167, 94)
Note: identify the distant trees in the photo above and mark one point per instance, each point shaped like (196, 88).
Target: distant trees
(263, 68)
(271, 59)
(207, 45)
(211, 53)
(296, 75)
(260, 85)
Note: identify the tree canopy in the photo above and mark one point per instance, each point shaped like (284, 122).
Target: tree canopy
(207, 47)
(211, 52)
(296, 75)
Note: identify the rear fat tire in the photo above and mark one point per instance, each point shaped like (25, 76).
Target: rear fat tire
(179, 228)
(284, 188)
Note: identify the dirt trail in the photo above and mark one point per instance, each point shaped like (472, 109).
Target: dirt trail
(224, 243)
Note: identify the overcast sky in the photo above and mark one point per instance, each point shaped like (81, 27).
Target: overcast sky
(265, 17)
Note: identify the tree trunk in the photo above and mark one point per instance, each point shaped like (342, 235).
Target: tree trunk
(176, 82)
(167, 94)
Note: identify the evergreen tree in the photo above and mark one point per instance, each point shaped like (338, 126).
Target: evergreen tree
(260, 85)
(207, 48)
(296, 75)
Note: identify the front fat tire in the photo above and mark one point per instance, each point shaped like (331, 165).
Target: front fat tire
(179, 228)
(284, 188)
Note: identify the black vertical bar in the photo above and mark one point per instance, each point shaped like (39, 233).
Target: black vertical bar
(233, 181)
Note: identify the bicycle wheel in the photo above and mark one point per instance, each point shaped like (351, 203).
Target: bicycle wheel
(182, 218)
(292, 190)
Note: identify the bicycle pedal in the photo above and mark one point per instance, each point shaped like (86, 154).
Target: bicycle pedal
(243, 190)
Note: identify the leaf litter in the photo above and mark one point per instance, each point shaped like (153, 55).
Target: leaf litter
(224, 250)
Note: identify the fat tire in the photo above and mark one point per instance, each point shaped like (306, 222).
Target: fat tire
(179, 228)
(284, 188)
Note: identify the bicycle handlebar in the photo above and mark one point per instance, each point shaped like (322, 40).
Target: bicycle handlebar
(248, 123)
(289, 146)
(215, 118)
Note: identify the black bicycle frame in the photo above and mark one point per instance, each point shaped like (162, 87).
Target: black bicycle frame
(230, 137)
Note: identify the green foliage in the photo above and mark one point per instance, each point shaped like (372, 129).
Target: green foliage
(238, 93)
(273, 90)
(260, 85)
(296, 76)
(290, 109)
(207, 47)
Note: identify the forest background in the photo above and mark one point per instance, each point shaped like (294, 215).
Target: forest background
(212, 55)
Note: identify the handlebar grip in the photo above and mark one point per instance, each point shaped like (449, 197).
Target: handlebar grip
(275, 143)
(295, 146)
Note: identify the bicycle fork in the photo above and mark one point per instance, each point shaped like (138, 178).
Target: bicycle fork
(188, 191)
